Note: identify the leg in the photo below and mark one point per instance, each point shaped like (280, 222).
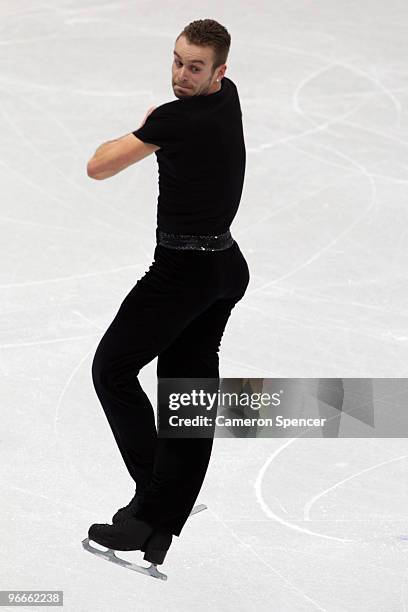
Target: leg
(126, 406)
(149, 319)
(181, 463)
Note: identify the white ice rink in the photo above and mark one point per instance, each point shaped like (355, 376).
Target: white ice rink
(292, 525)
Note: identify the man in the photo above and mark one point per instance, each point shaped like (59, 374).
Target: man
(178, 310)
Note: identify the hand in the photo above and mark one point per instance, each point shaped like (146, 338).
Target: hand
(151, 109)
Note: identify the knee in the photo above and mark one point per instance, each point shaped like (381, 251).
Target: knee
(101, 373)
(113, 373)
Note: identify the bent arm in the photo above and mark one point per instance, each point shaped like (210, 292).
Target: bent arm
(114, 156)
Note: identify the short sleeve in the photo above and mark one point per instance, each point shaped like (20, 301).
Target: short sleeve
(162, 128)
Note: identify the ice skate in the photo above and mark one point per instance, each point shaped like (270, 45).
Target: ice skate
(133, 534)
(109, 555)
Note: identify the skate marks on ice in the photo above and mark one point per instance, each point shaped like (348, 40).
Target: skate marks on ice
(109, 554)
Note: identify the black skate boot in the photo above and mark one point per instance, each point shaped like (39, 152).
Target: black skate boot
(127, 511)
(156, 547)
(133, 534)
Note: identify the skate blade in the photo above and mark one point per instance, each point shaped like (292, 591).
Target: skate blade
(198, 508)
(109, 555)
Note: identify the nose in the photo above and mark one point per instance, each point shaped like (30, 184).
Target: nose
(182, 74)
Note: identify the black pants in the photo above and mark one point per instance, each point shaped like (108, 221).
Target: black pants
(177, 312)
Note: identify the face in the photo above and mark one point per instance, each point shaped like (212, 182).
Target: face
(192, 70)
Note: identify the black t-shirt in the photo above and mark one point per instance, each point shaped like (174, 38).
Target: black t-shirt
(201, 161)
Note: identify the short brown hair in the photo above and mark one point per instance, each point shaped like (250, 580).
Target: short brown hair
(207, 32)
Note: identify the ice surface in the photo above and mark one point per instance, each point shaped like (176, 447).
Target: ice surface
(292, 525)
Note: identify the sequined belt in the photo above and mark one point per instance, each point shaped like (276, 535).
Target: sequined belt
(220, 242)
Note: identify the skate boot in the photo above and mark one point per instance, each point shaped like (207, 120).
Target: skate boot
(156, 547)
(133, 534)
(127, 511)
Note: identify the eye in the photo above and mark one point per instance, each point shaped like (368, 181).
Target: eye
(178, 63)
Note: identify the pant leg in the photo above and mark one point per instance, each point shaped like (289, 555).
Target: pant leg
(180, 464)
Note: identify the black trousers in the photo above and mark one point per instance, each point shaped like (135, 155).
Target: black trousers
(176, 312)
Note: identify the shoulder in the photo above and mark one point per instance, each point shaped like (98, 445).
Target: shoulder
(171, 110)
(231, 90)
(229, 83)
